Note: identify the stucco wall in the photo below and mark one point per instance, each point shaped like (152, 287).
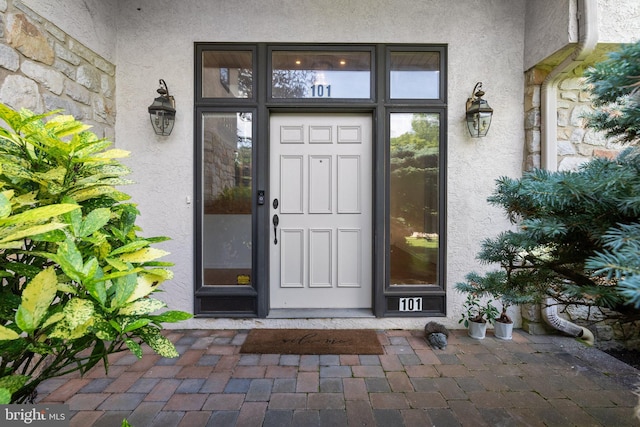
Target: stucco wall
(155, 40)
(550, 26)
(618, 21)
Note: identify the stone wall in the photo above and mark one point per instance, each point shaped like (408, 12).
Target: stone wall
(43, 69)
(576, 143)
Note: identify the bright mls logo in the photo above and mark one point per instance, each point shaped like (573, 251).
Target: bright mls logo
(34, 415)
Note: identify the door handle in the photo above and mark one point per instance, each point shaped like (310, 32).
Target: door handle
(275, 220)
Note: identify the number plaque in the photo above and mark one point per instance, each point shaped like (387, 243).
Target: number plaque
(410, 304)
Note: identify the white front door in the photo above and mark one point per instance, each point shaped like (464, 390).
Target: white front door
(321, 195)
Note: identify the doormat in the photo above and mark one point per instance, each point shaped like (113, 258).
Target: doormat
(312, 341)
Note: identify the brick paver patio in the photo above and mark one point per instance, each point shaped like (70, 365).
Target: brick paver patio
(530, 381)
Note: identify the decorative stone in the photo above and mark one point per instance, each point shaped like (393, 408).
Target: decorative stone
(571, 163)
(108, 86)
(77, 92)
(28, 39)
(604, 332)
(577, 135)
(66, 55)
(565, 148)
(55, 31)
(609, 154)
(89, 77)
(563, 117)
(572, 84)
(52, 102)
(20, 92)
(81, 50)
(104, 65)
(65, 68)
(593, 137)
(532, 119)
(578, 114)
(3, 5)
(531, 97)
(50, 78)
(9, 59)
(570, 96)
(532, 138)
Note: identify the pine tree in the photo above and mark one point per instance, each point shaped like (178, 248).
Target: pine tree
(616, 94)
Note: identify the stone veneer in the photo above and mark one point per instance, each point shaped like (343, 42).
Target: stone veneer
(43, 69)
(576, 143)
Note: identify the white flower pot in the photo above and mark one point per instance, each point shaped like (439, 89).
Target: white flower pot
(502, 331)
(477, 330)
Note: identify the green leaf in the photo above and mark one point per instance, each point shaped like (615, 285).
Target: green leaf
(99, 190)
(97, 290)
(143, 255)
(5, 396)
(144, 286)
(53, 236)
(55, 317)
(134, 347)
(14, 382)
(141, 307)
(7, 334)
(94, 221)
(171, 316)
(70, 259)
(39, 214)
(5, 206)
(104, 330)
(37, 296)
(117, 264)
(130, 247)
(124, 288)
(78, 317)
(9, 235)
(133, 324)
(158, 342)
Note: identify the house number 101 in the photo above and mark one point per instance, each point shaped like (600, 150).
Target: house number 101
(410, 304)
(321, 91)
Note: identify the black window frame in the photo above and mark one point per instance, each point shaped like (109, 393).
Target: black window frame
(228, 301)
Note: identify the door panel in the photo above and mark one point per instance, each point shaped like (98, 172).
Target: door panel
(321, 175)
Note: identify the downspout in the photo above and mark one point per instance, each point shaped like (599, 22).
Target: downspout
(587, 15)
(550, 315)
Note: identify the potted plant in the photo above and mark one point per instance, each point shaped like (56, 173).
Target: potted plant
(475, 316)
(503, 325)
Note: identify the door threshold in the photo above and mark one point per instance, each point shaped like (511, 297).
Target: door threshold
(319, 313)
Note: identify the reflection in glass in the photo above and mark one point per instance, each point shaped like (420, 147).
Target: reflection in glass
(415, 75)
(227, 74)
(321, 75)
(226, 182)
(413, 202)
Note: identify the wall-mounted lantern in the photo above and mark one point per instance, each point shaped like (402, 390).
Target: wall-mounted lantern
(479, 113)
(163, 111)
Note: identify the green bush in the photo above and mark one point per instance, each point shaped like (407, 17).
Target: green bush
(77, 279)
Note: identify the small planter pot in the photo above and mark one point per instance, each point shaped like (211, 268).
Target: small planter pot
(502, 330)
(477, 330)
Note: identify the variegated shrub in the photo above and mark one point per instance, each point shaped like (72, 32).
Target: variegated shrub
(77, 280)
